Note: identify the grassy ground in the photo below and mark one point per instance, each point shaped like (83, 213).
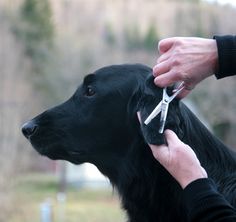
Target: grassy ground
(81, 205)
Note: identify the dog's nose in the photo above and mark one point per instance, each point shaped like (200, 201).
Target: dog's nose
(29, 128)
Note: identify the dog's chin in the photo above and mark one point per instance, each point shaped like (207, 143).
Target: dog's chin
(49, 152)
(58, 152)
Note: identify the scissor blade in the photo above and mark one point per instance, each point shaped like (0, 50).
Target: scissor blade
(153, 114)
(164, 111)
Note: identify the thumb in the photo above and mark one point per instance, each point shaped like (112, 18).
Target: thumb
(171, 138)
(161, 153)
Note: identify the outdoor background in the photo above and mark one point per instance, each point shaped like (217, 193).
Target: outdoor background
(46, 47)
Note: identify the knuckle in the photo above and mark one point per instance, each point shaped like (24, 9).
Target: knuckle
(179, 42)
(185, 146)
(178, 52)
(177, 147)
(161, 45)
(177, 73)
(180, 146)
(160, 83)
(175, 61)
(186, 77)
(181, 75)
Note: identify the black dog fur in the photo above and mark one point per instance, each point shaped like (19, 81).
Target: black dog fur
(99, 124)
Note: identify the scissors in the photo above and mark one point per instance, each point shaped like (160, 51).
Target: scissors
(163, 107)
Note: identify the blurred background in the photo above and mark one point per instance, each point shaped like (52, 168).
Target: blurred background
(46, 47)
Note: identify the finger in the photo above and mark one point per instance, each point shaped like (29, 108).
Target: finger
(165, 44)
(171, 138)
(183, 94)
(165, 56)
(161, 153)
(161, 68)
(187, 89)
(166, 79)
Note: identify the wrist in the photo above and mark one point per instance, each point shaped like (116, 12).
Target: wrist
(186, 180)
(214, 55)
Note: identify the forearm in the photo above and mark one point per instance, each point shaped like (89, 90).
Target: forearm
(226, 56)
(203, 203)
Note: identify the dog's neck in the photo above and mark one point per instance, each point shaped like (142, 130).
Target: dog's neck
(206, 145)
(141, 178)
(130, 174)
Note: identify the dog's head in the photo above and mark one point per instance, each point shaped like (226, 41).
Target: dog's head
(100, 118)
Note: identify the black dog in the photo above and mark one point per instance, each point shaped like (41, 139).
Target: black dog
(99, 124)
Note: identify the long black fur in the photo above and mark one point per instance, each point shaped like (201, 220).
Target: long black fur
(99, 124)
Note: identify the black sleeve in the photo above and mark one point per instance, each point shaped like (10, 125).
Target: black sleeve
(203, 203)
(226, 56)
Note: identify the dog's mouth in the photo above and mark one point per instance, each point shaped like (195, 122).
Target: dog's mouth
(58, 152)
(52, 150)
(49, 143)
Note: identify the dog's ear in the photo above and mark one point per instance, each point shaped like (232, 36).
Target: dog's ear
(151, 95)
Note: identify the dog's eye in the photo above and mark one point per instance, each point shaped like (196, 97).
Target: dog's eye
(89, 91)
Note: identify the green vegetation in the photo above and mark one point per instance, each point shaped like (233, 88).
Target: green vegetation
(109, 35)
(151, 39)
(83, 205)
(132, 37)
(37, 30)
(134, 40)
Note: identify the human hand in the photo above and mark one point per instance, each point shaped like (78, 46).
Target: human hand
(185, 59)
(178, 159)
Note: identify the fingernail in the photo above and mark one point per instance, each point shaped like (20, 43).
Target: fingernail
(154, 71)
(156, 80)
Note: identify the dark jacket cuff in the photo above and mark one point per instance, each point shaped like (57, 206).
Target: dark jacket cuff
(199, 187)
(226, 56)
